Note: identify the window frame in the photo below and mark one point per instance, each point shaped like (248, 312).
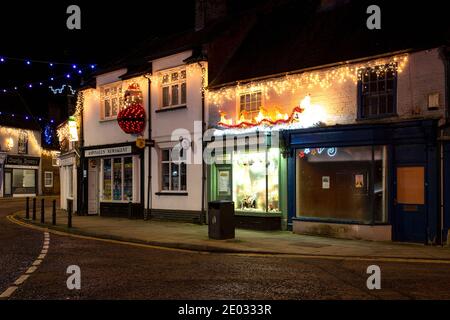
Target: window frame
(170, 161)
(239, 105)
(361, 95)
(135, 193)
(45, 179)
(170, 84)
(118, 95)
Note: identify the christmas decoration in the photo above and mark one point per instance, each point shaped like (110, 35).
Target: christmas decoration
(131, 118)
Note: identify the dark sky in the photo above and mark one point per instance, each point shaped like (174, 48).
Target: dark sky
(37, 30)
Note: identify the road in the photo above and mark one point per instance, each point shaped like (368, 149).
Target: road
(116, 271)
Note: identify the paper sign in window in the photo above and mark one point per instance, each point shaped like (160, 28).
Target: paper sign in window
(411, 185)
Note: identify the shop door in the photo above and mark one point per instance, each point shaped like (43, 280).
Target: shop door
(410, 213)
(8, 183)
(224, 183)
(93, 187)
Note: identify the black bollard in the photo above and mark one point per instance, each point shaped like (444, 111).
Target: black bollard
(69, 213)
(27, 210)
(34, 209)
(42, 211)
(54, 213)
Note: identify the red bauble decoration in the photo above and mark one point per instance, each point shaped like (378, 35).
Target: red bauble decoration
(131, 119)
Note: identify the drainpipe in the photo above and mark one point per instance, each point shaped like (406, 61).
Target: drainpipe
(445, 59)
(149, 177)
(202, 214)
(81, 199)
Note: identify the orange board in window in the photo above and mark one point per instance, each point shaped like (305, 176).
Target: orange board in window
(411, 185)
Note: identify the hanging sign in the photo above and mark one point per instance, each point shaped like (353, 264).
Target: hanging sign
(73, 130)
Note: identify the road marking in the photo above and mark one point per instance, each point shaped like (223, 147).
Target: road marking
(246, 254)
(37, 262)
(21, 279)
(8, 292)
(31, 270)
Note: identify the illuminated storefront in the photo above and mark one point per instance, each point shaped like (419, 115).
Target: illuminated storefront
(252, 179)
(115, 180)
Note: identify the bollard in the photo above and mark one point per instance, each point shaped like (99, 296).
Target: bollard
(34, 209)
(27, 210)
(54, 213)
(130, 208)
(42, 211)
(69, 213)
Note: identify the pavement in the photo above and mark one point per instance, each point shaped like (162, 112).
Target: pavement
(194, 237)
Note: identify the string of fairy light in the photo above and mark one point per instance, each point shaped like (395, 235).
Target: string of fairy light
(323, 79)
(73, 71)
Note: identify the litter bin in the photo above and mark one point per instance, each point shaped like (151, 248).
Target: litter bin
(221, 220)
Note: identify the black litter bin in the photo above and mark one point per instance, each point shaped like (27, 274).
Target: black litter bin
(221, 220)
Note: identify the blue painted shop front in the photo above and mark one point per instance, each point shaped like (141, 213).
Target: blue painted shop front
(366, 177)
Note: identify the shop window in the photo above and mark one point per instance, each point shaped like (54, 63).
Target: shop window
(377, 87)
(24, 181)
(111, 98)
(173, 88)
(255, 182)
(343, 184)
(250, 104)
(48, 179)
(117, 179)
(173, 172)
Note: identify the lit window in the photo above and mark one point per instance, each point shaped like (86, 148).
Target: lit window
(48, 179)
(377, 88)
(173, 88)
(111, 100)
(250, 104)
(117, 179)
(173, 171)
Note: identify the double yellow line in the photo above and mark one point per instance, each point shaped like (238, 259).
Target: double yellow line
(12, 219)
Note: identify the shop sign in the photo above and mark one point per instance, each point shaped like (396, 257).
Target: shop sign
(22, 161)
(73, 130)
(108, 151)
(325, 182)
(67, 161)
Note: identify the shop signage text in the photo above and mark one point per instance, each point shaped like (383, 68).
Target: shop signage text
(22, 161)
(108, 151)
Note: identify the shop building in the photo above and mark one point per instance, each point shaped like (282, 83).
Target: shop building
(20, 161)
(176, 121)
(115, 131)
(359, 142)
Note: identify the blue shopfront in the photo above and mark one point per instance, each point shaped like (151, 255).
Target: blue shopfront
(365, 181)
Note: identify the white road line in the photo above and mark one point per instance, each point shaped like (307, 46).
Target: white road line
(8, 292)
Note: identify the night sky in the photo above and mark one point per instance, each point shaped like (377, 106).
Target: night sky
(36, 30)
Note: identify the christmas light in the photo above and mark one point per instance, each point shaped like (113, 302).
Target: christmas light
(61, 90)
(307, 80)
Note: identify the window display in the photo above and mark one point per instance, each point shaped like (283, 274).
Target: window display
(118, 179)
(107, 179)
(342, 183)
(24, 181)
(255, 182)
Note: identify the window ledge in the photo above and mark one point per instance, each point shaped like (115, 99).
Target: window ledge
(163, 193)
(108, 120)
(338, 221)
(382, 117)
(165, 109)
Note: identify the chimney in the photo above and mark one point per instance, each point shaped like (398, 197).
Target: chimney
(207, 11)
